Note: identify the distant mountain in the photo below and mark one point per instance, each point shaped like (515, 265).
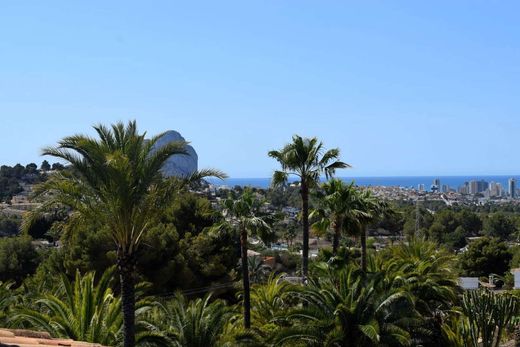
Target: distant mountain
(178, 165)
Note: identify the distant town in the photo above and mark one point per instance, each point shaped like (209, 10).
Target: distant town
(474, 192)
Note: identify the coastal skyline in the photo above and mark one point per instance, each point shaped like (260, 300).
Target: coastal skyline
(453, 182)
(403, 89)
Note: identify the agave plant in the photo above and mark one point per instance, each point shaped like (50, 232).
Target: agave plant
(351, 308)
(82, 310)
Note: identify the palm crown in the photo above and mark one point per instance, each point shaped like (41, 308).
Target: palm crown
(307, 159)
(115, 179)
(338, 208)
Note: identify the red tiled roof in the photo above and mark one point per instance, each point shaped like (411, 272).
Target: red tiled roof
(29, 338)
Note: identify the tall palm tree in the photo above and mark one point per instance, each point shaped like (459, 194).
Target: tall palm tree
(241, 213)
(115, 180)
(336, 209)
(306, 159)
(373, 209)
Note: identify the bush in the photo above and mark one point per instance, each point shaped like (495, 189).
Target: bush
(486, 256)
(18, 258)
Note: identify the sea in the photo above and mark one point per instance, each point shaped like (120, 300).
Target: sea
(387, 181)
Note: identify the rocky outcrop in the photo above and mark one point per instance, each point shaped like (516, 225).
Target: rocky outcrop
(178, 165)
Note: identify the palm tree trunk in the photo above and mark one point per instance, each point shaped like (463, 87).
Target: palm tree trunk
(364, 249)
(305, 225)
(245, 279)
(126, 270)
(337, 234)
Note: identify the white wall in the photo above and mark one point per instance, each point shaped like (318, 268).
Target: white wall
(468, 282)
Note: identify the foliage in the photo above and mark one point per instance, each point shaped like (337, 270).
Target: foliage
(499, 225)
(338, 209)
(7, 298)
(456, 239)
(39, 226)
(371, 210)
(449, 226)
(83, 310)
(191, 214)
(426, 272)
(45, 166)
(241, 214)
(284, 196)
(9, 225)
(170, 258)
(258, 271)
(18, 258)
(116, 181)
(269, 301)
(198, 323)
(12, 178)
(485, 256)
(489, 314)
(306, 159)
(350, 308)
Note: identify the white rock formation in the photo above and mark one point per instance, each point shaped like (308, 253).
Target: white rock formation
(179, 165)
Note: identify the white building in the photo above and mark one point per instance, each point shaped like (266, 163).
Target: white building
(468, 283)
(516, 274)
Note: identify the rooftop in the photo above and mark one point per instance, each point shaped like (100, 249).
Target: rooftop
(28, 338)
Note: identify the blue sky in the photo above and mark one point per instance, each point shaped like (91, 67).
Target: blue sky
(402, 87)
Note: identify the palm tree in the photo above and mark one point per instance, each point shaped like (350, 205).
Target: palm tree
(115, 180)
(336, 209)
(426, 271)
(306, 159)
(82, 310)
(350, 308)
(258, 271)
(269, 300)
(241, 213)
(269, 304)
(196, 323)
(372, 209)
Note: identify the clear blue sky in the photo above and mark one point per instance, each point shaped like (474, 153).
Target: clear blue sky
(402, 87)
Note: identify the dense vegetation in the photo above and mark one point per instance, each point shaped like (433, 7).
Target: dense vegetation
(12, 178)
(136, 259)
